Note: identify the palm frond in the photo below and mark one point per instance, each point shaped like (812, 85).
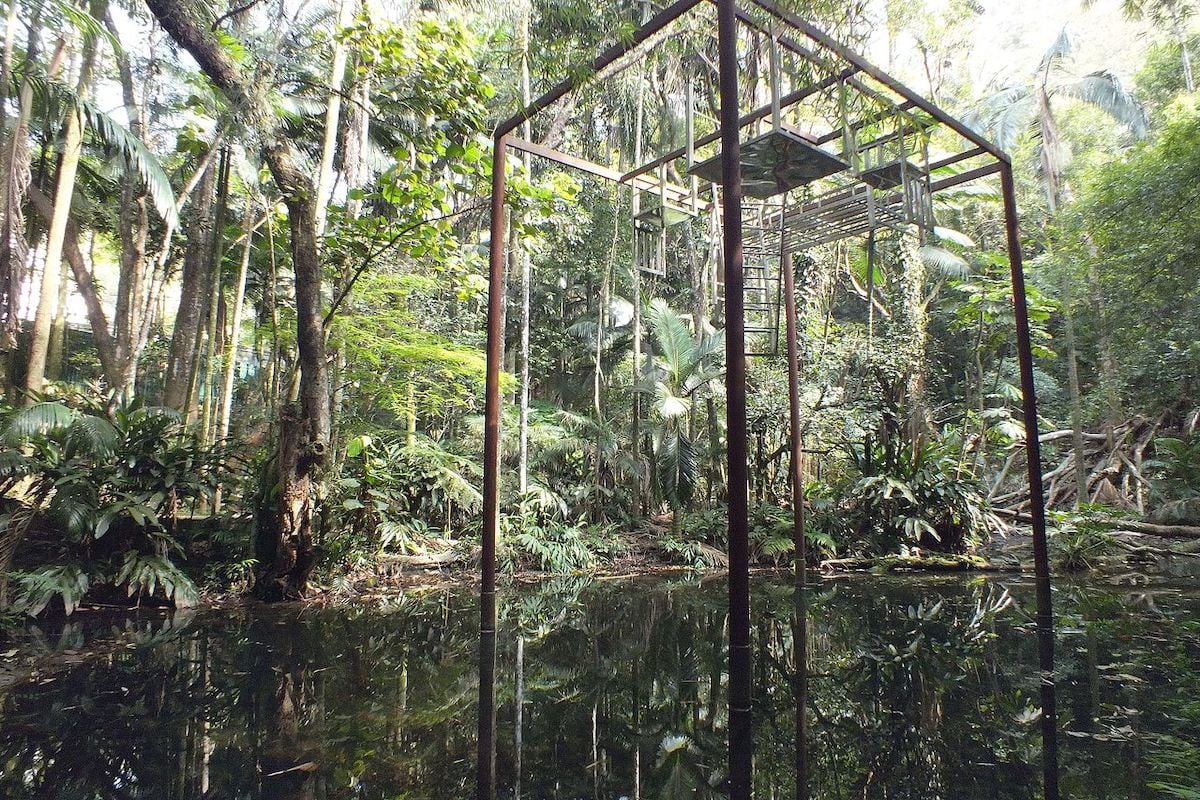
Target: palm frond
(39, 419)
(951, 235)
(91, 435)
(113, 134)
(667, 404)
(948, 263)
(1009, 123)
(16, 465)
(90, 28)
(672, 337)
(678, 467)
(137, 156)
(1060, 50)
(1105, 91)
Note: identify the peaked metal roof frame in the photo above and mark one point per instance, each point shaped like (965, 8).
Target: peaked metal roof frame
(840, 63)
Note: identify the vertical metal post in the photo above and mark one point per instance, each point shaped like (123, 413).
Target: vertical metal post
(485, 786)
(491, 409)
(800, 548)
(486, 761)
(741, 737)
(1037, 505)
(800, 656)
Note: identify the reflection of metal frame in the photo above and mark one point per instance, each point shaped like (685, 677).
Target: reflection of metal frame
(839, 213)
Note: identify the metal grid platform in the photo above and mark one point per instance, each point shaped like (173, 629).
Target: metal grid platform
(774, 163)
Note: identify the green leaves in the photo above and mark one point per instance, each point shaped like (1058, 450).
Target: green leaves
(109, 488)
(39, 419)
(143, 575)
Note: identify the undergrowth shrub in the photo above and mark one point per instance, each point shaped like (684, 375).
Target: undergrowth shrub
(93, 499)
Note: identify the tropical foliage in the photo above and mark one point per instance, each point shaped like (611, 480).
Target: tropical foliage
(273, 254)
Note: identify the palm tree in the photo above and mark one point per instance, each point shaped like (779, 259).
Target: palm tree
(1028, 108)
(683, 366)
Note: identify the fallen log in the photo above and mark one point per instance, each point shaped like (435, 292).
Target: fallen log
(1133, 526)
(1153, 529)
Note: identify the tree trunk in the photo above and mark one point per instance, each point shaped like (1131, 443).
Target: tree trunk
(58, 329)
(304, 428)
(1185, 54)
(16, 175)
(197, 265)
(134, 229)
(205, 368)
(526, 287)
(1074, 393)
(333, 114)
(106, 349)
(72, 150)
(235, 330)
(917, 324)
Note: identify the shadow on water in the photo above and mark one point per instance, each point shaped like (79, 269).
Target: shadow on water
(892, 688)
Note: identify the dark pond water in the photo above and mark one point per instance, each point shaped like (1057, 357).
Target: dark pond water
(915, 689)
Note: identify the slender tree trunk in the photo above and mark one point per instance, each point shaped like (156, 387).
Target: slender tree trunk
(16, 173)
(58, 328)
(333, 114)
(134, 225)
(207, 374)
(72, 150)
(106, 349)
(639, 118)
(1185, 53)
(1076, 402)
(235, 334)
(526, 287)
(917, 322)
(194, 282)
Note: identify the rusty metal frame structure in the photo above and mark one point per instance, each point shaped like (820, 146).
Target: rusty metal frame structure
(842, 67)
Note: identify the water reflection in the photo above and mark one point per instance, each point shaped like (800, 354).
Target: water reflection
(875, 689)
(676, 750)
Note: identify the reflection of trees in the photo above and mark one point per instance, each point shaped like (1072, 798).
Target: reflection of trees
(916, 690)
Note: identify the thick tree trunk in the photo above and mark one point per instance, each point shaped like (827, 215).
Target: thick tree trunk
(304, 430)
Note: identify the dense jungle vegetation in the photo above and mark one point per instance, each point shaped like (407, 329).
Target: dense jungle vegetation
(243, 289)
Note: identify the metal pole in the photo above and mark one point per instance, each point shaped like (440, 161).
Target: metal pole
(800, 655)
(485, 787)
(800, 542)
(741, 735)
(491, 410)
(486, 776)
(651, 27)
(1037, 503)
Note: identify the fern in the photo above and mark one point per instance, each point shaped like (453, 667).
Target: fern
(143, 575)
(37, 589)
